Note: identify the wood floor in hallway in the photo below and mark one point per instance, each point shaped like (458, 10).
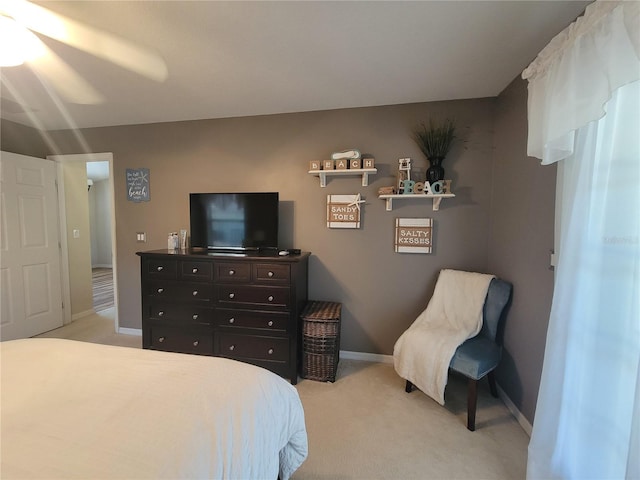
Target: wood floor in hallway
(102, 280)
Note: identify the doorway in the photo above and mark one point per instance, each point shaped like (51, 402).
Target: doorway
(89, 273)
(99, 196)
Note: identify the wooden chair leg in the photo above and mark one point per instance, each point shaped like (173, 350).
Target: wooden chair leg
(408, 387)
(492, 384)
(472, 400)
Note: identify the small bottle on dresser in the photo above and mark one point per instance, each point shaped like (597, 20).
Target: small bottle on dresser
(172, 241)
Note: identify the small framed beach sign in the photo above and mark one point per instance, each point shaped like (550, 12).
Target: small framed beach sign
(138, 185)
(413, 235)
(343, 211)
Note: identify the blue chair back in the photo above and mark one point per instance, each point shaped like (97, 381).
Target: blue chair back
(498, 296)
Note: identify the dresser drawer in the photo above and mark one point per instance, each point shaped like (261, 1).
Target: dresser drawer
(254, 347)
(276, 322)
(272, 273)
(232, 272)
(246, 295)
(196, 271)
(183, 291)
(162, 268)
(179, 339)
(180, 313)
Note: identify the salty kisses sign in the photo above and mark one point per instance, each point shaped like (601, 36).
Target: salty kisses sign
(343, 211)
(413, 235)
(138, 184)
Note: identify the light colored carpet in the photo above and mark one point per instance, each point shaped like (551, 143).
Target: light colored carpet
(365, 426)
(96, 328)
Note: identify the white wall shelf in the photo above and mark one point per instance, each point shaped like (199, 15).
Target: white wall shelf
(364, 172)
(416, 196)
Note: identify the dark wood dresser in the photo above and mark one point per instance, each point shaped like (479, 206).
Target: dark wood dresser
(241, 306)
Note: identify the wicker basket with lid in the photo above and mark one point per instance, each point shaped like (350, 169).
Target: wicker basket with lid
(321, 340)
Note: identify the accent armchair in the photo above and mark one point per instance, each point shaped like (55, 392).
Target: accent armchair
(478, 357)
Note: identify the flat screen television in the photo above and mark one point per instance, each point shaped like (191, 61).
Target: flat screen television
(234, 221)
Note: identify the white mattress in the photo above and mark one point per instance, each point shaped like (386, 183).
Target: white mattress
(79, 410)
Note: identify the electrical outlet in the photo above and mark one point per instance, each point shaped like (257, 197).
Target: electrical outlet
(76, 233)
(141, 237)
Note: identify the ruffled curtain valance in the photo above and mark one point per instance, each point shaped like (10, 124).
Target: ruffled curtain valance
(574, 76)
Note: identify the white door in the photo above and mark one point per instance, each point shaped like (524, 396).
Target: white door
(30, 290)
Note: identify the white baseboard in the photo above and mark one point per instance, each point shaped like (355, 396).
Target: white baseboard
(102, 265)
(366, 357)
(130, 331)
(86, 313)
(524, 423)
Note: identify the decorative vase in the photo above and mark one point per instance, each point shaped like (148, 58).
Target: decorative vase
(435, 172)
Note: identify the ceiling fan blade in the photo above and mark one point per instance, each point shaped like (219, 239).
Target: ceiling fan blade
(117, 50)
(51, 69)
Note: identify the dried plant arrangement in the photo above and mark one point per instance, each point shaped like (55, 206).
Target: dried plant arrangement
(435, 139)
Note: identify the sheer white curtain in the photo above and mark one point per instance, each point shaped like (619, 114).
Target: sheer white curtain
(584, 111)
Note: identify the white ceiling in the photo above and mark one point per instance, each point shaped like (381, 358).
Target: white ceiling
(229, 59)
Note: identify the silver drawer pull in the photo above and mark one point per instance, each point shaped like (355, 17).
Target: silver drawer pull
(195, 316)
(232, 272)
(231, 320)
(194, 293)
(160, 313)
(161, 339)
(270, 323)
(231, 295)
(195, 344)
(270, 352)
(195, 270)
(160, 290)
(160, 268)
(270, 298)
(231, 347)
(270, 274)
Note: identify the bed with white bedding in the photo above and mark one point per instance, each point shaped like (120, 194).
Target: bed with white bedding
(79, 410)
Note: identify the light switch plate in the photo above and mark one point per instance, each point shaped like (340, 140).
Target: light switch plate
(141, 237)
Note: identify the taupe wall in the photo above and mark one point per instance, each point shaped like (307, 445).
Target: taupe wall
(382, 292)
(18, 138)
(520, 243)
(499, 221)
